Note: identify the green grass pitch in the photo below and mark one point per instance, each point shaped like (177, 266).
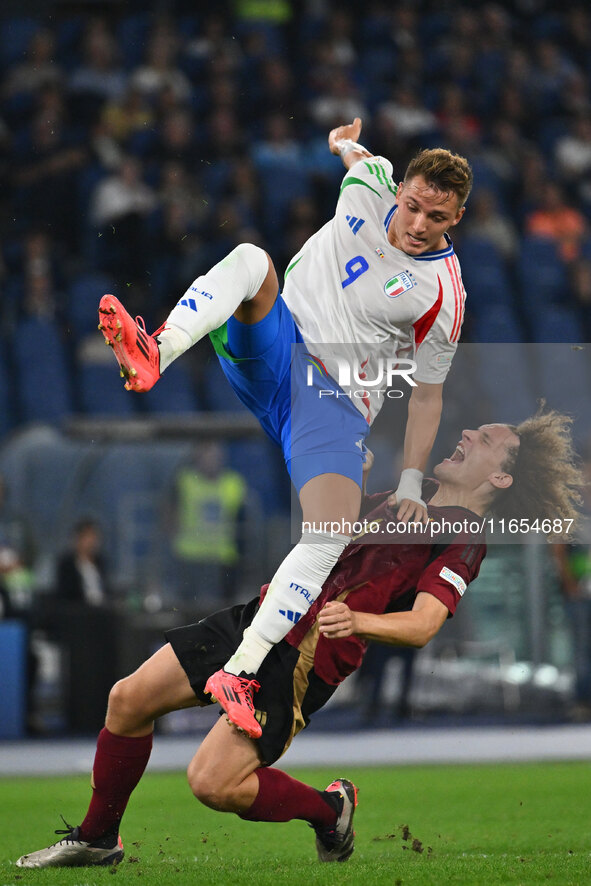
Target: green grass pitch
(469, 825)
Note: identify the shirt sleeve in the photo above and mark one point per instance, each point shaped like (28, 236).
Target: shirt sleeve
(374, 175)
(447, 577)
(433, 355)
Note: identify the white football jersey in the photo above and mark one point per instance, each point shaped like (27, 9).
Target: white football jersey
(349, 285)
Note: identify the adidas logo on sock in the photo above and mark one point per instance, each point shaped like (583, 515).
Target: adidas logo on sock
(191, 303)
(355, 223)
(290, 615)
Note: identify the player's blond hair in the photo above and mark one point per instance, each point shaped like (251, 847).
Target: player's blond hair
(446, 171)
(547, 478)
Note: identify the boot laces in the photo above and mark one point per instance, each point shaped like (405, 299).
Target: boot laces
(247, 687)
(69, 831)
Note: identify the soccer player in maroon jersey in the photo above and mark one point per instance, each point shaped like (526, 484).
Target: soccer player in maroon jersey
(385, 587)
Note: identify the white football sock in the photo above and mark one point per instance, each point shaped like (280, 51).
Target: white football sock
(212, 299)
(293, 589)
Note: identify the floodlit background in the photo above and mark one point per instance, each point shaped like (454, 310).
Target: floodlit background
(139, 143)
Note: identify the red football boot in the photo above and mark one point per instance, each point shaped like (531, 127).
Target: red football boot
(136, 351)
(234, 695)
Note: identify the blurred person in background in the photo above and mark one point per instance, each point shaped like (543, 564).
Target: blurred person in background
(100, 77)
(159, 70)
(39, 68)
(81, 573)
(120, 206)
(17, 579)
(489, 224)
(206, 528)
(81, 619)
(573, 150)
(17, 554)
(558, 220)
(42, 171)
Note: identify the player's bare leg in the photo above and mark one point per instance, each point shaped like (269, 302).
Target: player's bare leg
(226, 774)
(159, 686)
(221, 774)
(331, 499)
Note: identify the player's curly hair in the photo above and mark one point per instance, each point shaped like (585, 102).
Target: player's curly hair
(547, 478)
(447, 171)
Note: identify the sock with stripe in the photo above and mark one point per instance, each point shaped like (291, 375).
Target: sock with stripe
(283, 798)
(119, 763)
(211, 300)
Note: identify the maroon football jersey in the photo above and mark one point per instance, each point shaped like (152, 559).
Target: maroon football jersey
(385, 576)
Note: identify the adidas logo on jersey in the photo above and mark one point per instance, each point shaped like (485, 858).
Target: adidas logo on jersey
(290, 615)
(355, 223)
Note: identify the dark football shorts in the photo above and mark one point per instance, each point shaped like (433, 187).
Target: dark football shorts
(290, 690)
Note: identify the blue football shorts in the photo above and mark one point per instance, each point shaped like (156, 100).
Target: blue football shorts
(318, 434)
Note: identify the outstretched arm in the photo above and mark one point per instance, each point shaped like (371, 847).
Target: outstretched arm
(424, 413)
(343, 141)
(414, 628)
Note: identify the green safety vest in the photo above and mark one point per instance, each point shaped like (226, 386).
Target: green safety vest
(276, 11)
(206, 516)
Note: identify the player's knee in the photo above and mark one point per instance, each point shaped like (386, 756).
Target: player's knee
(209, 788)
(125, 702)
(254, 265)
(252, 257)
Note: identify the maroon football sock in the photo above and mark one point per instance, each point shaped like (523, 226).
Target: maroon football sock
(282, 798)
(119, 764)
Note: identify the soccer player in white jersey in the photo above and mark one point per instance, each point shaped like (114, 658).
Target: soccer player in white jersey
(382, 277)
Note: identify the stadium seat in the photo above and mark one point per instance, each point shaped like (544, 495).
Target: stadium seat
(542, 274)
(132, 37)
(485, 275)
(173, 393)
(377, 65)
(557, 324)
(42, 383)
(282, 180)
(487, 178)
(69, 34)
(15, 36)
(101, 391)
(217, 393)
(497, 323)
(85, 292)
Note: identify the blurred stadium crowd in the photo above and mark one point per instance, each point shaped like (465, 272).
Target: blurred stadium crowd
(138, 147)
